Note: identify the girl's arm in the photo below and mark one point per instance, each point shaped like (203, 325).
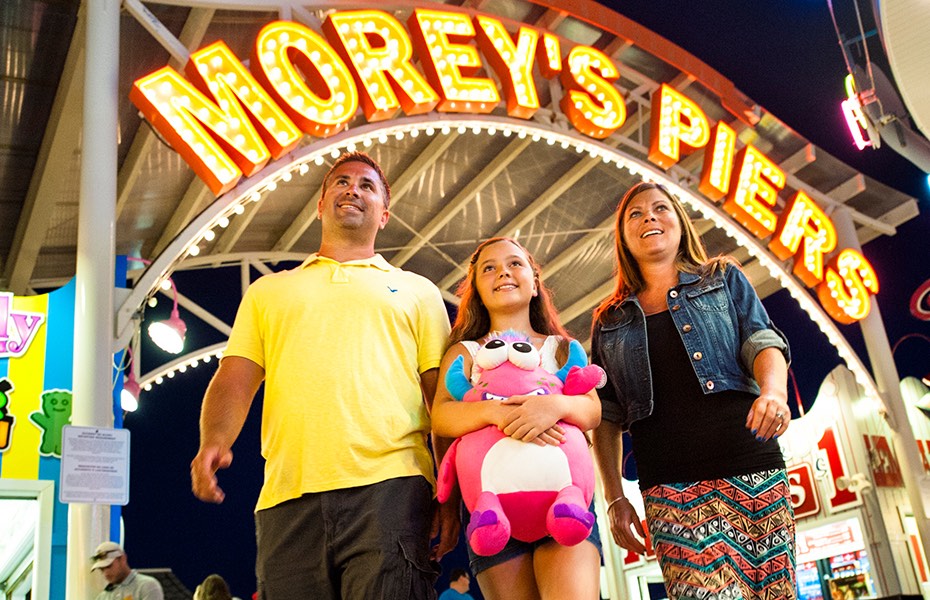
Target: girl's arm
(453, 418)
(532, 416)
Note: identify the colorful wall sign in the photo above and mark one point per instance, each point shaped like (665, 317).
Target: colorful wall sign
(35, 401)
(17, 327)
(40, 360)
(228, 121)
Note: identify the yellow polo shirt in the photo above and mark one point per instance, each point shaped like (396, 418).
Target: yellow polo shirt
(342, 345)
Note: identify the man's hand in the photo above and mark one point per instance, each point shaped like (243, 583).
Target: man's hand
(203, 472)
(447, 523)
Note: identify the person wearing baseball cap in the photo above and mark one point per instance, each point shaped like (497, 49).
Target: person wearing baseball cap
(123, 582)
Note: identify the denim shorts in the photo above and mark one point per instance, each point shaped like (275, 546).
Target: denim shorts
(363, 542)
(515, 547)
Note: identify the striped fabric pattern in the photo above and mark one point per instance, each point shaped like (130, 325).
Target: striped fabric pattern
(731, 538)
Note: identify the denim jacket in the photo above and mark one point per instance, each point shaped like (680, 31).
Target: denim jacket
(723, 326)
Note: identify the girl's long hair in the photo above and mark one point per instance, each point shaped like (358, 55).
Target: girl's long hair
(691, 257)
(473, 320)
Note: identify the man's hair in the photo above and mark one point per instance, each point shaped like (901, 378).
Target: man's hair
(362, 158)
(456, 574)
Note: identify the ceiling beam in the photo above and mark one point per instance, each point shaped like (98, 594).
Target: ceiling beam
(488, 173)
(60, 143)
(587, 302)
(853, 186)
(195, 199)
(145, 140)
(681, 82)
(307, 215)
(401, 185)
(568, 256)
(546, 199)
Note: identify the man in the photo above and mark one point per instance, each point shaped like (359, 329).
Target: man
(459, 582)
(348, 346)
(122, 582)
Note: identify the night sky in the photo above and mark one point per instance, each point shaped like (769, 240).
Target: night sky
(783, 55)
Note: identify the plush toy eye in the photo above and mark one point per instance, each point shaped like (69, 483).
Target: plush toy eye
(524, 355)
(492, 354)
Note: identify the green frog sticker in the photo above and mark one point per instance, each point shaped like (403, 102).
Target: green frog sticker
(55, 414)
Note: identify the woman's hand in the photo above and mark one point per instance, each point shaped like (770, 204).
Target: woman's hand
(768, 417)
(622, 515)
(534, 419)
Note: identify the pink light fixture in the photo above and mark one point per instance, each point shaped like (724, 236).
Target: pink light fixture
(169, 334)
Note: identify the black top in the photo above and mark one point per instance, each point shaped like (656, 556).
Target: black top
(692, 436)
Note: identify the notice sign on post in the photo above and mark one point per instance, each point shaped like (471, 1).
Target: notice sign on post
(94, 465)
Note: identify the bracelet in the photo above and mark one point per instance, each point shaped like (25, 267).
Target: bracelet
(614, 501)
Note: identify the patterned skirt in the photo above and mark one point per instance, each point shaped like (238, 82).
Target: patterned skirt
(729, 538)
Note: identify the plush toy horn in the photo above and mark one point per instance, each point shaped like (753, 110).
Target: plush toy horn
(456, 382)
(576, 358)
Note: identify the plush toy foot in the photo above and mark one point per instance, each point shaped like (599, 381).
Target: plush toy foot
(569, 522)
(488, 529)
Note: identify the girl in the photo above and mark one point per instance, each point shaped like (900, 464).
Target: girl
(502, 291)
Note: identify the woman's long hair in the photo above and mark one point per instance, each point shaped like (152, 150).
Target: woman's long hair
(213, 588)
(473, 320)
(691, 257)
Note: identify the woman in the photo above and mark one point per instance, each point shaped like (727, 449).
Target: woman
(697, 373)
(502, 291)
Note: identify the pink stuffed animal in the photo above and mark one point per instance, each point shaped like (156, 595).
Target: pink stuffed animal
(510, 487)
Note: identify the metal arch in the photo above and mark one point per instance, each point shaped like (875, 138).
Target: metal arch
(253, 186)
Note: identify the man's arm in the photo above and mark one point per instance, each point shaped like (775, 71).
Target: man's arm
(225, 408)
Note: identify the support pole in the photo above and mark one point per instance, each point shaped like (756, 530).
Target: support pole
(89, 524)
(889, 386)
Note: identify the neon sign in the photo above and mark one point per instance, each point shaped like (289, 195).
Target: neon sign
(748, 183)
(228, 122)
(855, 118)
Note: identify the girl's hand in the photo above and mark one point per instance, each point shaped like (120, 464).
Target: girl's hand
(534, 419)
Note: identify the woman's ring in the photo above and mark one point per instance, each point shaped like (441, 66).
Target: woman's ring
(780, 416)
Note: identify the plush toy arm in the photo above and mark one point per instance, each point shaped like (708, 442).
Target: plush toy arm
(576, 357)
(456, 382)
(581, 380)
(445, 480)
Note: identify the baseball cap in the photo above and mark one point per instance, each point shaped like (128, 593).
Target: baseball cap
(105, 554)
